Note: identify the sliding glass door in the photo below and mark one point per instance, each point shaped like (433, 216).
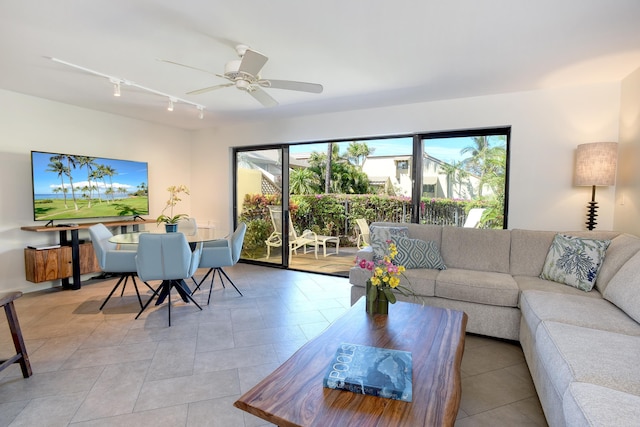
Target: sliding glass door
(308, 205)
(261, 188)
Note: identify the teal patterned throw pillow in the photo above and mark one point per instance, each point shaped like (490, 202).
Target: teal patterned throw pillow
(381, 235)
(574, 261)
(416, 253)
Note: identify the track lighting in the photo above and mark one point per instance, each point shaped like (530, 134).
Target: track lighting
(116, 87)
(117, 81)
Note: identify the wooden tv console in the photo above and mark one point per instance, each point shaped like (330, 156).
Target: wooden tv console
(72, 258)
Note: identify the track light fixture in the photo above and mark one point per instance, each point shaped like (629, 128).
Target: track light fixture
(116, 81)
(116, 87)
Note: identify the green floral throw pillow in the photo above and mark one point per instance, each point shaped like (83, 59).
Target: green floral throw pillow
(574, 261)
(381, 235)
(416, 253)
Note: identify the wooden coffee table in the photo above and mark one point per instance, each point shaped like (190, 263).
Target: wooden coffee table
(293, 394)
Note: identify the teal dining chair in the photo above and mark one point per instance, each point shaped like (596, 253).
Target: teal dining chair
(114, 261)
(170, 258)
(222, 253)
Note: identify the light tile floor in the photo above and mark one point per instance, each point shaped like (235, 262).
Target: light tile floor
(95, 368)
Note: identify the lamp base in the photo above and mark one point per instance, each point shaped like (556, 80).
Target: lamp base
(592, 207)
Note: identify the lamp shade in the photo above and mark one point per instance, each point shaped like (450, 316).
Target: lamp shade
(596, 164)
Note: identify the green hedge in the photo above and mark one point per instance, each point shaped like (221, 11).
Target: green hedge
(336, 214)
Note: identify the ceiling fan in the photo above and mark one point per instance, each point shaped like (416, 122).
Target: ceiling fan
(244, 74)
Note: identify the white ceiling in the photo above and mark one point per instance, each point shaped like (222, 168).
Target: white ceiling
(366, 53)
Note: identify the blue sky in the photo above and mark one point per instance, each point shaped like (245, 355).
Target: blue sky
(129, 174)
(445, 149)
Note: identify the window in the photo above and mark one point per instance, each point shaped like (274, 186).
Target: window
(463, 170)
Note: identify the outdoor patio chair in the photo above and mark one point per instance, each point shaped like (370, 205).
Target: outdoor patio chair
(473, 218)
(275, 239)
(363, 234)
(307, 238)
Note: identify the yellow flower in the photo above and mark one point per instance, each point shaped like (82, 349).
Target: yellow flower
(394, 282)
(393, 250)
(386, 275)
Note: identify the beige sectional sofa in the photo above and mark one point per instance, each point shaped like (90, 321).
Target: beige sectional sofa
(582, 348)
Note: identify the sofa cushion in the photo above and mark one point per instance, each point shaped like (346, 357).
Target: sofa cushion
(574, 261)
(624, 288)
(380, 236)
(573, 353)
(621, 249)
(476, 249)
(426, 232)
(529, 249)
(579, 310)
(536, 283)
(593, 405)
(416, 253)
(421, 281)
(483, 287)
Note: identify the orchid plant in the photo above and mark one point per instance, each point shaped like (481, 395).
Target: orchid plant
(174, 192)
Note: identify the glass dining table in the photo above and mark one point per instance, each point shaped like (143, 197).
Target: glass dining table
(200, 235)
(194, 237)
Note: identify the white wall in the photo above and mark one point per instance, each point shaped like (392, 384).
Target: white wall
(547, 125)
(627, 210)
(28, 123)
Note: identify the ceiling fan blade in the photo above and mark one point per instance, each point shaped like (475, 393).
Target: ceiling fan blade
(291, 85)
(263, 97)
(208, 89)
(187, 66)
(252, 62)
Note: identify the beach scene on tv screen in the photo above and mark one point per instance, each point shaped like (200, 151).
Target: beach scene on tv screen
(74, 187)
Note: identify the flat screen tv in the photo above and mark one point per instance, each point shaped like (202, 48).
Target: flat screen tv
(69, 187)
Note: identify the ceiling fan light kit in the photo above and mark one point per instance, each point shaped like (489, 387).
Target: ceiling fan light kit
(244, 74)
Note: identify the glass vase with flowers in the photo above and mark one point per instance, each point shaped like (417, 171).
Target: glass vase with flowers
(384, 280)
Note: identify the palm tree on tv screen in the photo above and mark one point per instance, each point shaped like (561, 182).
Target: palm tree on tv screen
(96, 175)
(71, 164)
(59, 169)
(110, 172)
(89, 163)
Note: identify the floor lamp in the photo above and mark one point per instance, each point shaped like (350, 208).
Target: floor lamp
(595, 165)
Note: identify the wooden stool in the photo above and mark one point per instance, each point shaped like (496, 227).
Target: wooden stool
(6, 300)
